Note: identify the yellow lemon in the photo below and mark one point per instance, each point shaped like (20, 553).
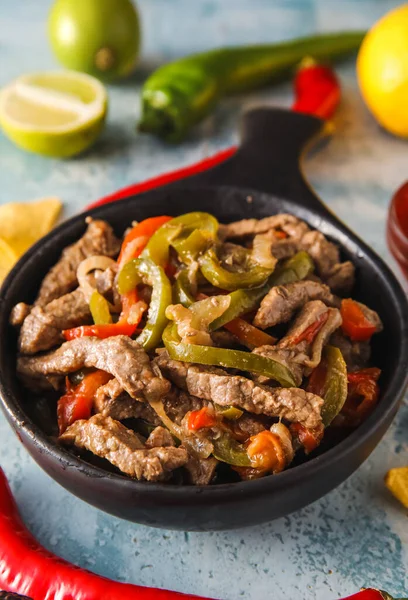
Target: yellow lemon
(382, 71)
(57, 113)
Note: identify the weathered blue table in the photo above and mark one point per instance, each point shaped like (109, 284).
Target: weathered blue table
(357, 535)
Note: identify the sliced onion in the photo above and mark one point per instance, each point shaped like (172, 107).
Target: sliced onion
(87, 266)
(283, 433)
(261, 252)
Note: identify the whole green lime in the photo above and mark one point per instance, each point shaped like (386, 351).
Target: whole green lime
(99, 37)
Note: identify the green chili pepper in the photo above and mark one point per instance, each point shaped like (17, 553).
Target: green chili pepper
(296, 268)
(99, 308)
(182, 290)
(335, 388)
(233, 359)
(157, 248)
(145, 270)
(228, 450)
(232, 413)
(181, 93)
(220, 277)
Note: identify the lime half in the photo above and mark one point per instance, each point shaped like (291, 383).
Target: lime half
(57, 113)
(7, 259)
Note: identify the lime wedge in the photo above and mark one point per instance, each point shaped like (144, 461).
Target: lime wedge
(56, 113)
(7, 259)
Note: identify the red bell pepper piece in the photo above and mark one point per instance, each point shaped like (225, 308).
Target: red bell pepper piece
(248, 334)
(137, 238)
(363, 392)
(199, 419)
(355, 324)
(309, 438)
(77, 402)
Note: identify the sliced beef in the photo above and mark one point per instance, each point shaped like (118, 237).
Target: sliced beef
(98, 239)
(250, 227)
(111, 400)
(282, 301)
(160, 437)
(222, 388)
(19, 313)
(309, 354)
(201, 471)
(109, 439)
(356, 354)
(327, 259)
(105, 284)
(42, 328)
(286, 356)
(120, 356)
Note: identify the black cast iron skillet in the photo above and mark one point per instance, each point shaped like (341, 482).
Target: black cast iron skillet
(263, 178)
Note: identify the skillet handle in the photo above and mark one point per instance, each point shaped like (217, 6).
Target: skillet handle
(269, 157)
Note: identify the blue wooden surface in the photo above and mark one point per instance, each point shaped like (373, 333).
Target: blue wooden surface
(357, 535)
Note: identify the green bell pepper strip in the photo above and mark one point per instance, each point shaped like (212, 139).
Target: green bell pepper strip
(145, 270)
(329, 381)
(232, 359)
(220, 277)
(158, 247)
(228, 450)
(296, 268)
(190, 248)
(335, 389)
(181, 93)
(99, 308)
(182, 290)
(232, 413)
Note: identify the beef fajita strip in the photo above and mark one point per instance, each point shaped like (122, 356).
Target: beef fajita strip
(42, 328)
(98, 239)
(120, 356)
(109, 439)
(282, 301)
(218, 386)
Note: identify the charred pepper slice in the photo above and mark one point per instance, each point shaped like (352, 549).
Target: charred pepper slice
(181, 93)
(228, 450)
(221, 357)
(145, 270)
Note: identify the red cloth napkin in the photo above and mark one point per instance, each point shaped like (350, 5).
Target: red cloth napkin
(166, 178)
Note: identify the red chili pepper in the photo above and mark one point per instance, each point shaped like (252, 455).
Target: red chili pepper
(317, 90)
(371, 594)
(77, 402)
(198, 419)
(28, 568)
(355, 324)
(310, 332)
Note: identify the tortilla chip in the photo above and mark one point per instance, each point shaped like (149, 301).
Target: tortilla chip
(23, 224)
(396, 481)
(7, 259)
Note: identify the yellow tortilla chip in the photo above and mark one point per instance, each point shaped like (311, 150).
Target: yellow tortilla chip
(24, 223)
(396, 481)
(7, 259)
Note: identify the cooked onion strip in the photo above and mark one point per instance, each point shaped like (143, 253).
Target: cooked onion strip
(87, 266)
(261, 252)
